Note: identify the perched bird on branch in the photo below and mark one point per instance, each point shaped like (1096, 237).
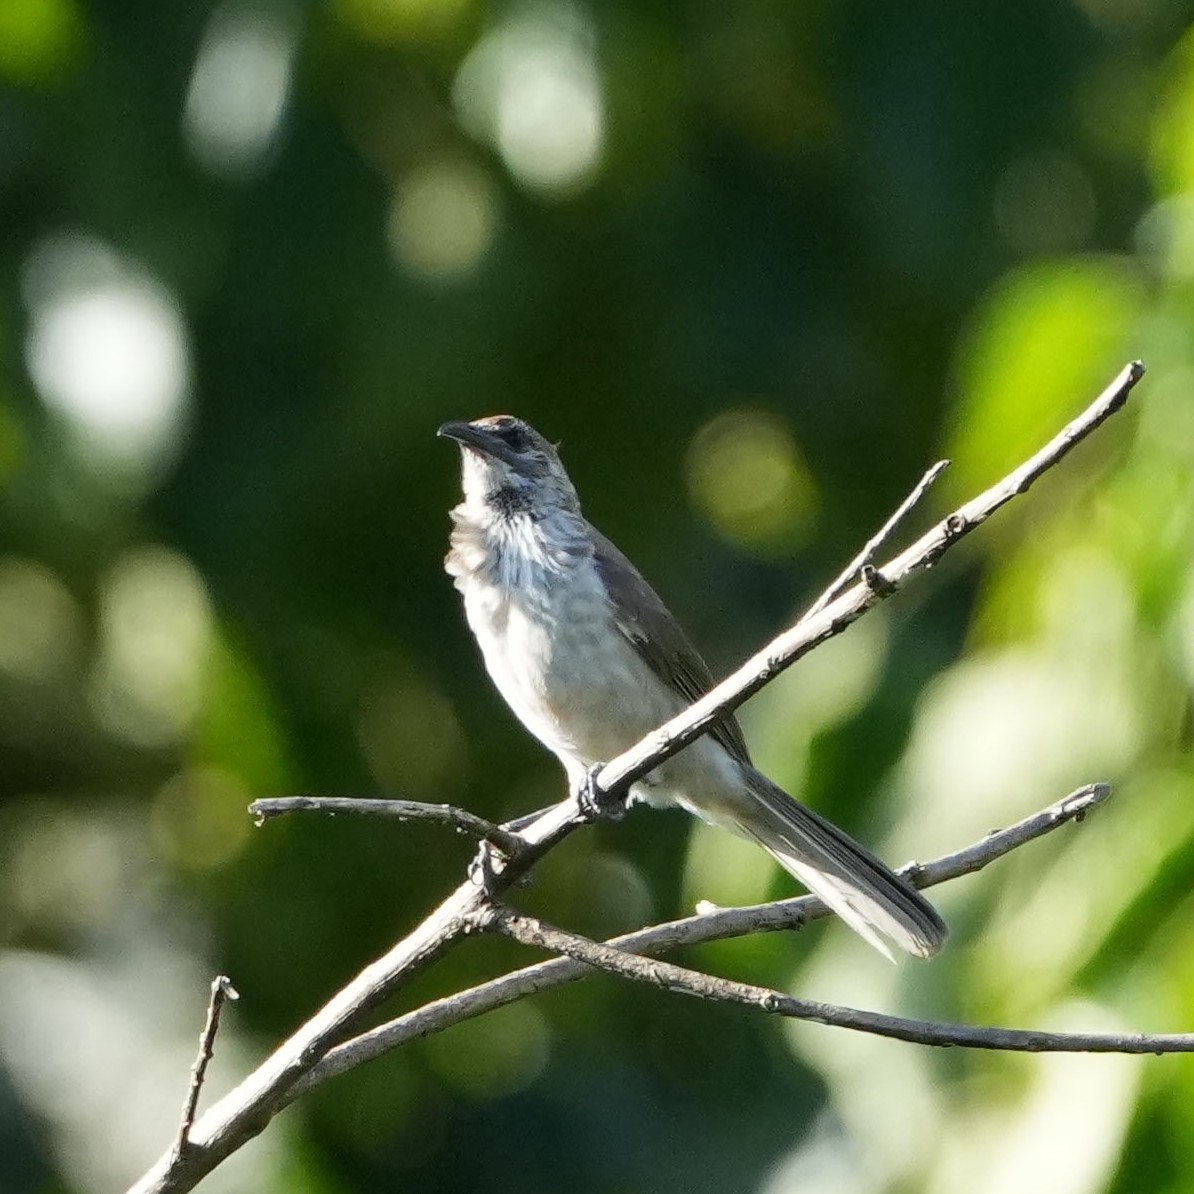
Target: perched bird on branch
(590, 660)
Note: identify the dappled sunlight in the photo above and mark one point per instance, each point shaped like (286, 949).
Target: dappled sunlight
(911, 1119)
(756, 267)
(827, 1161)
(108, 1089)
(67, 871)
(97, 1043)
(1088, 615)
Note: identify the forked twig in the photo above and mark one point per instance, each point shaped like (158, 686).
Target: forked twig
(866, 556)
(717, 925)
(221, 991)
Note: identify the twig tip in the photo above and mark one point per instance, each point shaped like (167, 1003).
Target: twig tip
(223, 985)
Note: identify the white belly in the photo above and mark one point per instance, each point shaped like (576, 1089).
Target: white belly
(582, 689)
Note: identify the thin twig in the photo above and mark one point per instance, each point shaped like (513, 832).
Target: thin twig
(717, 925)
(1074, 807)
(221, 991)
(245, 1111)
(530, 931)
(853, 569)
(459, 819)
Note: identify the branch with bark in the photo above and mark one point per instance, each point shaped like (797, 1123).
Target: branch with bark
(332, 1041)
(717, 925)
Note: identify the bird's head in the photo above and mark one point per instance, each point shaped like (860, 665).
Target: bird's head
(508, 464)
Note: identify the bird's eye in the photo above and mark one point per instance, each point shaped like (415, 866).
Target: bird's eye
(515, 436)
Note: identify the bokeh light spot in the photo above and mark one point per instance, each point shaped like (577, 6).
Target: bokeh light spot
(409, 734)
(40, 625)
(238, 91)
(38, 38)
(155, 632)
(199, 818)
(496, 1055)
(1165, 237)
(724, 869)
(531, 87)
(1044, 203)
(395, 21)
(107, 350)
(993, 727)
(64, 871)
(746, 475)
(442, 219)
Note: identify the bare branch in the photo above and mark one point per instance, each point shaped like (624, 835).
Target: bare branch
(221, 990)
(866, 556)
(692, 930)
(459, 819)
(680, 979)
(810, 632)
(244, 1112)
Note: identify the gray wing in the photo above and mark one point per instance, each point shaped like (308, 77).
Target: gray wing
(647, 625)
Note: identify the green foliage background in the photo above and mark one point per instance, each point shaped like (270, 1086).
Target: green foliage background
(756, 265)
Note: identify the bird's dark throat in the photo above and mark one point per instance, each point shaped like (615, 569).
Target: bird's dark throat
(509, 500)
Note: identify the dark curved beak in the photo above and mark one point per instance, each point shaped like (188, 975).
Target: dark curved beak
(469, 435)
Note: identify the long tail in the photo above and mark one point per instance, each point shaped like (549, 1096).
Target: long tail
(868, 896)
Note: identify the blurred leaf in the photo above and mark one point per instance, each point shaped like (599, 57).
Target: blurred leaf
(1040, 346)
(39, 39)
(1172, 150)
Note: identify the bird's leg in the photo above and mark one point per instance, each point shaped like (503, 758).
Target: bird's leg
(595, 803)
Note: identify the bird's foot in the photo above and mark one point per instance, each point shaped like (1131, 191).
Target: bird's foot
(484, 868)
(596, 804)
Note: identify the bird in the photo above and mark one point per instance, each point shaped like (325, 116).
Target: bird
(590, 660)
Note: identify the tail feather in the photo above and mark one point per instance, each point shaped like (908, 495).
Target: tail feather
(866, 894)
